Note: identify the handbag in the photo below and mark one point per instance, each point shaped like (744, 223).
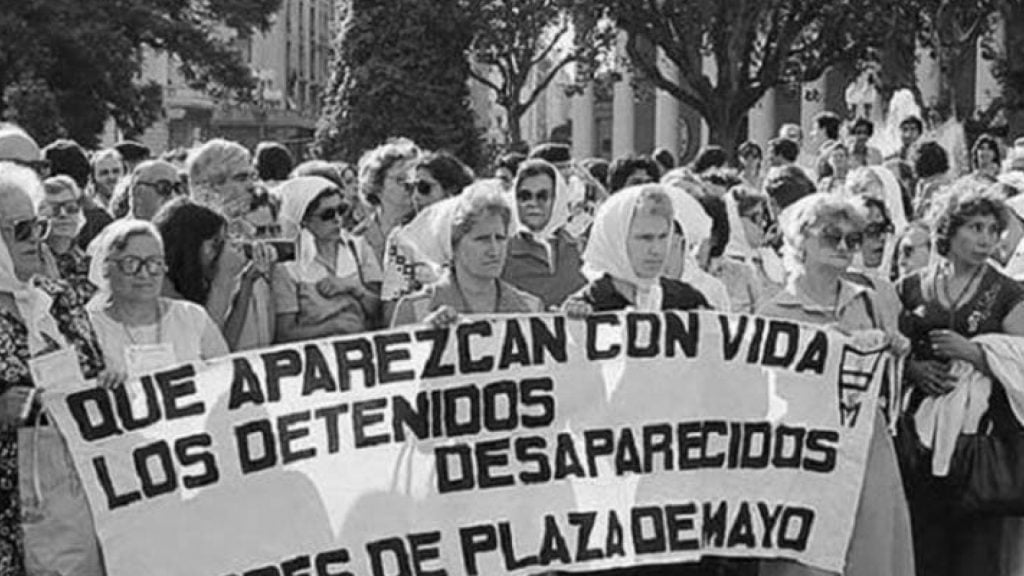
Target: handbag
(987, 469)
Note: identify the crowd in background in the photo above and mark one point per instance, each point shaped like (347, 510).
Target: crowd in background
(125, 263)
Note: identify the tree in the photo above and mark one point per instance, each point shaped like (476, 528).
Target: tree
(400, 70)
(756, 45)
(87, 56)
(516, 38)
(951, 29)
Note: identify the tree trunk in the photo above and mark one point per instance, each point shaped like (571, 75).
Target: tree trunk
(725, 128)
(515, 129)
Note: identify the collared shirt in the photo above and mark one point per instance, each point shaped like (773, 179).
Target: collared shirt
(549, 269)
(445, 292)
(851, 311)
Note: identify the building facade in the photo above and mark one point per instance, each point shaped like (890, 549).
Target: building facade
(291, 63)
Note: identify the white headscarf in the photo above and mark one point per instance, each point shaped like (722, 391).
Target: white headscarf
(296, 195)
(33, 305)
(739, 248)
(429, 234)
(560, 205)
(606, 251)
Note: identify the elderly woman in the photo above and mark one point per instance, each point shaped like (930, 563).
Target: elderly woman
(750, 269)
(476, 225)
(543, 259)
(347, 179)
(41, 319)
(823, 232)
(384, 175)
(331, 287)
(61, 204)
(627, 255)
(139, 330)
(956, 298)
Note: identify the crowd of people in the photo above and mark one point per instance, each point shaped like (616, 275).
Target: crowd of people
(126, 263)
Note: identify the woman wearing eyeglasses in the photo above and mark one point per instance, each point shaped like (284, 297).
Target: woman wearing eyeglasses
(437, 176)
(543, 258)
(823, 232)
(139, 330)
(332, 285)
(41, 319)
(952, 300)
(750, 269)
(61, 204)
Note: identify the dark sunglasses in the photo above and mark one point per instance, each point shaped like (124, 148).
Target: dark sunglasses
(31, 229)
(421, 187)
(163, 188)
(525, 196)
(269, 230)
(131, 265)
(762, 219)
(333, 213)
(877, 230)
(69, 208)
(833, 239)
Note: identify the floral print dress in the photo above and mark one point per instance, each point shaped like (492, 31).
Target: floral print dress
(68, 310)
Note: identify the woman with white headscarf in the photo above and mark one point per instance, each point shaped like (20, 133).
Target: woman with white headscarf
(543, 258)
(751, 270)
(627, 254)
(44, 328)
(139, 330)
(333, 284)
(471, 240)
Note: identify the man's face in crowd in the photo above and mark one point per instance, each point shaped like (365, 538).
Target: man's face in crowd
(106, 173)
(234, 194)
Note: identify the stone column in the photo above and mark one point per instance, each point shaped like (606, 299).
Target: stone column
(623, 113)
(812, 103)
(666, 110)
(761, 120)
(986, 87)
(583, 124)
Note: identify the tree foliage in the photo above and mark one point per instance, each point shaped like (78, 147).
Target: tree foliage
(516, 38)
(88, 54)
(400, 70)
(756, 45)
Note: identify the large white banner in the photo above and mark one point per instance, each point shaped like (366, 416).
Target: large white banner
(508, 445)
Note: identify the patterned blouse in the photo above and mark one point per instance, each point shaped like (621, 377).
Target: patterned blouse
(68, 311)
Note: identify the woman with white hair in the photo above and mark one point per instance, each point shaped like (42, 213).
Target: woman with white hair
(42, 321)
(822, 233)
(139, 330)
(472, 230)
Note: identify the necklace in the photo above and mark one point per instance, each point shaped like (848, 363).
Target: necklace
(954, 304)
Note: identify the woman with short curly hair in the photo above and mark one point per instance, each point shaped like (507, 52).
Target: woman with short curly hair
(956, 298)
